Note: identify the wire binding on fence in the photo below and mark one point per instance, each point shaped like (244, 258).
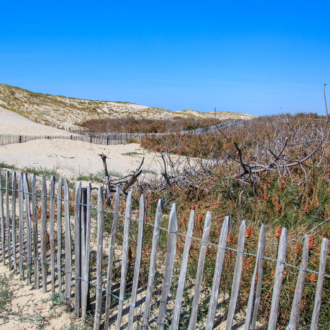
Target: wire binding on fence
(181, 234)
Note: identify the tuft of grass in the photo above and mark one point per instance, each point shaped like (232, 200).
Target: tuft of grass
(42, 171)
(6, 293)
(116, 174)
(98, 177)
(57, 299)
(4, 165)
(133, 139)
(132, 153)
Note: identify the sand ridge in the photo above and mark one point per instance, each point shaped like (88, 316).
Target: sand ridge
(13, 123)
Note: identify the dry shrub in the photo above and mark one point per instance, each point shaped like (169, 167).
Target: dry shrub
(143, 125)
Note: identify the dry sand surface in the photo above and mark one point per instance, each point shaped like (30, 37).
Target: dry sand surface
(73, 158)
(33, 309)
(12, 123)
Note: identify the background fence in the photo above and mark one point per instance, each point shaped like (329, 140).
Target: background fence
(26, 247)
(107, 138)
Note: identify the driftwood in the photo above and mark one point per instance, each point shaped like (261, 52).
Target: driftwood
(124, 183)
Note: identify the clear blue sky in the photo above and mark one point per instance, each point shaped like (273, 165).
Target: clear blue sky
(241, 56)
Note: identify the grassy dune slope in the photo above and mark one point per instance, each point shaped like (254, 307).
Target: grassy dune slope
(67, 112)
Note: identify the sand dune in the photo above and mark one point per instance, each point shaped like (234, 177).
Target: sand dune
(13, 123)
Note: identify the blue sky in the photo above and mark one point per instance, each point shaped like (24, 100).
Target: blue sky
(243, 56)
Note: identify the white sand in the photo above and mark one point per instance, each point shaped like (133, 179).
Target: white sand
(13, 123)
(73, 158)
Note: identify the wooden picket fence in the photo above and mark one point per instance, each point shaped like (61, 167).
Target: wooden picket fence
(36, 254)
(104, 140)
(107, 138)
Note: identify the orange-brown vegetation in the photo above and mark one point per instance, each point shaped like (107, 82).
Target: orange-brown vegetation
(134, 125)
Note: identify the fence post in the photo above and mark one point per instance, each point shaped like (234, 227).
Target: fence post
(2, 222)
(8, 221)
(21, 210)
(28, 229)
(68, 252)
(98, 302)
(218, 273)
(77, 259)
(152, 267)
(237, 276)
(85, 303)
(183, 271)
(259, 287)
(124, 258)
(169, 265)
(51, 231)
(13, 217)
(137, 263)
(43, 232)
(83, 211)
(296, 304)
(110, 258)
(318, 295)
(260, 256)
(59, 234)
(200, 271)
(35, 232)
(278, 280)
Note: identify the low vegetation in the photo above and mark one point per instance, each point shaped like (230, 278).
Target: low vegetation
(144, 125)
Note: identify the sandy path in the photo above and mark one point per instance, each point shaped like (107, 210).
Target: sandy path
(13, 123)
(73, 158)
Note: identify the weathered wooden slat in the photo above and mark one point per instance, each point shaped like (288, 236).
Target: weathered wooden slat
(10, 266)
(200, 271)
(217, 273)
(51, 231)
(124, 258)
(35, 232)
(137, 263)
(77, 248)
(59, 234)
(152, 267)
(258, 291)
(85, 270)
(21, 210)
(281, 256)
(183, 271)
(98, 301)
(260, 256)
(68, 250)
(237, 276)
(296, 304)
(169, 265)
(110, 258)
(13, 217)
(83, 211)
(43, 232)
(2, 214)
(28, 227)
(318, 294)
